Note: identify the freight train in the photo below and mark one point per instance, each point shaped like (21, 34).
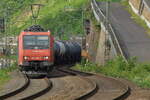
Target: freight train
(67, 52)
(37, 50)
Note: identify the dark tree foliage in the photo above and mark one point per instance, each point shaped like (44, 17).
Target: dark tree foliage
(12, 6)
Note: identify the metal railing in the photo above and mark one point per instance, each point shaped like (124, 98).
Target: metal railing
(110, 30)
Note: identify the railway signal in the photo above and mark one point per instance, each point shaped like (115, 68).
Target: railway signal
(87, 26)
(2, 25)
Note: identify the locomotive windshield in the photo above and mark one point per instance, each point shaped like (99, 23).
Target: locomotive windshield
(36, 42)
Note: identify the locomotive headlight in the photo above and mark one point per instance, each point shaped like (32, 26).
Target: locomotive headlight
(25, 57)
(45, 57)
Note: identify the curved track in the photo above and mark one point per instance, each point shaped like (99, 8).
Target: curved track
(88, 93)
(38, 89)
(107, 88)
(71, 85)
(33, 89)
(18, 90)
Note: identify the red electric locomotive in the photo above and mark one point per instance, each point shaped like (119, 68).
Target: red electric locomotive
(35, 50)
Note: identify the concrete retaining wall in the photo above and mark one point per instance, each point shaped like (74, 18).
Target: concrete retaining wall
(92, 42)
(99, 42)
(96, 45)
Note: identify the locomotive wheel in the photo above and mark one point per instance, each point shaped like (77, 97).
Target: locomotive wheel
(22, 68)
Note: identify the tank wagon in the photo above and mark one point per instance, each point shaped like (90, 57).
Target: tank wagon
(67, 52)
(37, 50)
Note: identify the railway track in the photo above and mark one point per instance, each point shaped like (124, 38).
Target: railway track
(17, 90)
(71, 85)
(29, 91)
(106, 87)
(88, 93)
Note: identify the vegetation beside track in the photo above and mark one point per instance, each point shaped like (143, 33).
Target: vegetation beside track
(62, 17)
(109, 0)
(52, 16)
(133, 71)
(13, 57)
(5, 74)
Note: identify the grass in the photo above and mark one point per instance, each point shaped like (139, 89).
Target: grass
(13, 57)
(110, 0)
(133, 71)
(5, 74)
(135, 17)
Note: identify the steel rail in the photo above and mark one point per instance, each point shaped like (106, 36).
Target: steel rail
(14, 92)
(40, 93)
(24, 87)
(124, 95)
(89, 93)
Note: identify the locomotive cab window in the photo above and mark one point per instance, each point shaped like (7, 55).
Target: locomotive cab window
(36, 42)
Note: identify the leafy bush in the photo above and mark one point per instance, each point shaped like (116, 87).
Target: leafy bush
(133, 71)
(52, 16)
(5, 74)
